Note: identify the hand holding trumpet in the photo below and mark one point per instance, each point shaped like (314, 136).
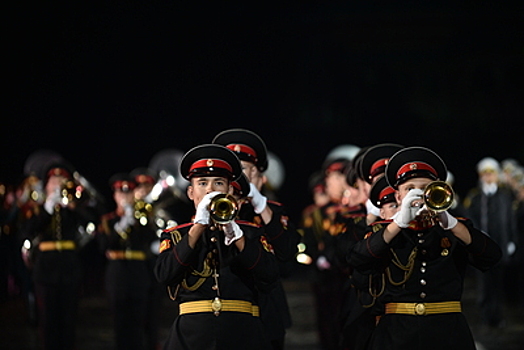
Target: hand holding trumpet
(428, 207)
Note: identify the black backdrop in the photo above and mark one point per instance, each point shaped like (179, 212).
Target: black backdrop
(108, 84)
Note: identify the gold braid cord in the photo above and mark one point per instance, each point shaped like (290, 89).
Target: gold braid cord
(205, 273)
(408, 268)
(373, 291)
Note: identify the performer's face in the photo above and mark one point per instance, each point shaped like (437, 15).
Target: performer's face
(200, 186)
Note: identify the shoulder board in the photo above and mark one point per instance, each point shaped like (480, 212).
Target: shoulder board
(174, 228)
(278, 204)
(247, 223)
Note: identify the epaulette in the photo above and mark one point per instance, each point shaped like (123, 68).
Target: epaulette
(379, 224)
(174, 228)
(278, 204)
(248, 223)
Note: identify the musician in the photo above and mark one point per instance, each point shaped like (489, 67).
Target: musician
(126, 244)
(279, 231)
(149, 214)
(424, 256)
(322, 227)
(361, 290)
(55, 230)
(215, 271)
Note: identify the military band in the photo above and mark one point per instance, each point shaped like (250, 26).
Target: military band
(202, 234)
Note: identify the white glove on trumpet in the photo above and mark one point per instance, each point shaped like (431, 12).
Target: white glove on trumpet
(52, 200)
(202, 215)
(232, 232)
(408, 211)
(127, 220)
(446, 220)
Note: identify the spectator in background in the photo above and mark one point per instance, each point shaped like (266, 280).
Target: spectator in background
(489, 206)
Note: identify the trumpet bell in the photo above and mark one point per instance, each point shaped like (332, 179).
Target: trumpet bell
(223, 208)
(438, 196)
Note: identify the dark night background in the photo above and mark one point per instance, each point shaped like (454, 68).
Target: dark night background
(109, 84)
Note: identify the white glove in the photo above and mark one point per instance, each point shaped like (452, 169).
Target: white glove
(202, 213)
(511, 248)
(52, 200)
(127, 220)
(257, 199)
(232, 232)
(446, 220)
(408, 212)
(371, 208)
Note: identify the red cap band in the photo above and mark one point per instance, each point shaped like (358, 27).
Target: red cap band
(211, 163)
(123, 185)
(235, 147)
(385, 192)
(415, 166)
(378, 167)
(59, 172)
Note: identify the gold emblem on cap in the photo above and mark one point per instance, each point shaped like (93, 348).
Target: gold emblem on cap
(413, 166)
(210, 162)
(237, 148)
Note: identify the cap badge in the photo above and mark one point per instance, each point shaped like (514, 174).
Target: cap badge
(413, 166)
(210, 162)
(237, 148)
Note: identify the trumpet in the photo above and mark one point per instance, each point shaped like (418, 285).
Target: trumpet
(143, 210)
(438, 196)
(223, 208)
(71, 192)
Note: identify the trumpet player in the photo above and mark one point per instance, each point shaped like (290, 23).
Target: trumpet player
(126, 245)
(214, 269)
(423, 262)
(57, 269)
(278, 230)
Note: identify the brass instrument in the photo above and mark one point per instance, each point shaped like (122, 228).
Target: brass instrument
(71, 192)
(438, 196)
(142, 211)
(223, 208)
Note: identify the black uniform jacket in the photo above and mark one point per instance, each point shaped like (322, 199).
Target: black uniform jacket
(241, 275)
(130, 275)
(283, 237)
(423, 266)
(55, 267)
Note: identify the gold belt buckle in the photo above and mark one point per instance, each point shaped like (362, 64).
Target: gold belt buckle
(58, 245)
(216, 306)
(128, 254)
(420, 309)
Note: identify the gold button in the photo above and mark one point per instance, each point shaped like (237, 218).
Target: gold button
(423, 282)
(422, 269)
(420, 309)
(422, 295)
(213, 239)
(444, 252)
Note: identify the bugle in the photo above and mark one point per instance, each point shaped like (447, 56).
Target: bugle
(223, 208)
